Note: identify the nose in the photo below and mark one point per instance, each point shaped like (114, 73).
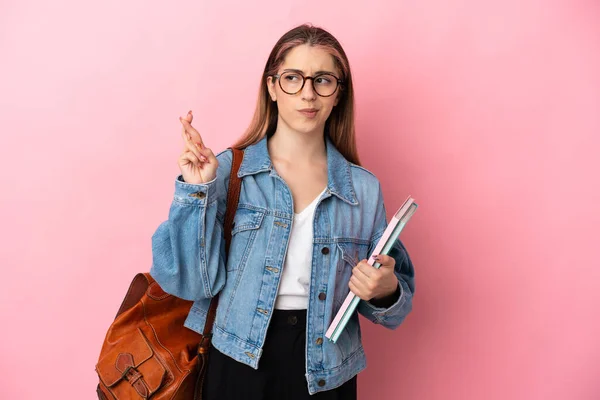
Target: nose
(308, 91)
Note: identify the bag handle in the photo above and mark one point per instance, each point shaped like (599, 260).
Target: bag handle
(233, 196)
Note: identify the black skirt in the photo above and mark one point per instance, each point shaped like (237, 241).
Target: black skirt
(281, 370)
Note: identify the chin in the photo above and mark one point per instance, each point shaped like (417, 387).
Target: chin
(308, 127)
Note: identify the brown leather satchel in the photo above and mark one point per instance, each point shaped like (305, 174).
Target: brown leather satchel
(147, 352)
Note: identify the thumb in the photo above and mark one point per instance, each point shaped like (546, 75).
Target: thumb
(385, 261)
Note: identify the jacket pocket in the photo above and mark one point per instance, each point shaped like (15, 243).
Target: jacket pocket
(246, 224)
(349, 254)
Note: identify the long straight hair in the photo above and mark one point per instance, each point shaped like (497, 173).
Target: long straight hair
(340, 124)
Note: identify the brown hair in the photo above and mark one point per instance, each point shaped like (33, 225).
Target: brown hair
(340, 124)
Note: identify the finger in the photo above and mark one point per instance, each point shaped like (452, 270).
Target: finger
(358, 289)
(189, 117)
(360, 275)
(191, 132)
(208, 153)
(194, 134)
(189, 143)
(186, 138)
(190, 146)
(369, 276)
(365, 268)
(353, 288)
(190, 158)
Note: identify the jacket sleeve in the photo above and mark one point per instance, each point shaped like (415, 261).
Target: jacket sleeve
(188, 250)
(392, 316)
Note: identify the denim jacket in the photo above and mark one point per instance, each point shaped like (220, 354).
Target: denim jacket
(189, 260)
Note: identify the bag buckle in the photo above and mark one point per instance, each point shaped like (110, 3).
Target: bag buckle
(126, 372)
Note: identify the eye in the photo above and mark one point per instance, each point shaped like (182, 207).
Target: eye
(324, 80)
(292, 77)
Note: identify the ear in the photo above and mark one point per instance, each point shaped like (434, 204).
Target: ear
(338, 95)
(271, 88)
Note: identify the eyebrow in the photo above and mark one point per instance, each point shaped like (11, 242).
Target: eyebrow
(302, 72)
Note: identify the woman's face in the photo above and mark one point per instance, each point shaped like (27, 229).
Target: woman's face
(305, 111)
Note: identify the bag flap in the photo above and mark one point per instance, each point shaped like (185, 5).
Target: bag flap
(131, 357)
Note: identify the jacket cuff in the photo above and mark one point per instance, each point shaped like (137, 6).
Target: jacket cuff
(380, 313)
(195, 193)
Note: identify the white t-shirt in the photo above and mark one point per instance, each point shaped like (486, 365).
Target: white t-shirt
(295, 277)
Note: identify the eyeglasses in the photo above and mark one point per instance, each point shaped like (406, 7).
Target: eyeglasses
(324, 85)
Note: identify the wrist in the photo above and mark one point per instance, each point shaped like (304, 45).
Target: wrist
(388, 300)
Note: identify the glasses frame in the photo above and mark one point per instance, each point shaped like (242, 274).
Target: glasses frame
(339, 82)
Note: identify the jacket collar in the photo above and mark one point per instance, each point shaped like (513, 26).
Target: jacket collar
(339, 179)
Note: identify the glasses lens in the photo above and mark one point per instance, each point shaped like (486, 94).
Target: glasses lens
(325, 84)
(291, 82)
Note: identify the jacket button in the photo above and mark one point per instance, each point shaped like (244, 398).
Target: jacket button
(319, 341)
(325, 250)
(198, 195)
(321, 382)
(322, 296)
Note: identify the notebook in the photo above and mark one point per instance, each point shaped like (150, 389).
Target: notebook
(384, 245)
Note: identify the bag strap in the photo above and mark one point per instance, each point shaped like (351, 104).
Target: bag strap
(233, 196)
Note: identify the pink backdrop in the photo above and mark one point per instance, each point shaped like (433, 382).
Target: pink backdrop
(487, 112)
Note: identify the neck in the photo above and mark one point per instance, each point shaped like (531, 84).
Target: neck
(297, 147)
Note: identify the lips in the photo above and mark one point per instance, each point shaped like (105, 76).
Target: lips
(309, 112)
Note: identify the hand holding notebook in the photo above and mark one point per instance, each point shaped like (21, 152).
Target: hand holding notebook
(384, 245)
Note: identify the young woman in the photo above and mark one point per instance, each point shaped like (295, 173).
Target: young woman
(308, 217)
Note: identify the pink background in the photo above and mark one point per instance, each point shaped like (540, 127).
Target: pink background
(488, 113)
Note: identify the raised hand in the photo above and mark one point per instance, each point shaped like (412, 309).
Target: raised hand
(197, 162)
